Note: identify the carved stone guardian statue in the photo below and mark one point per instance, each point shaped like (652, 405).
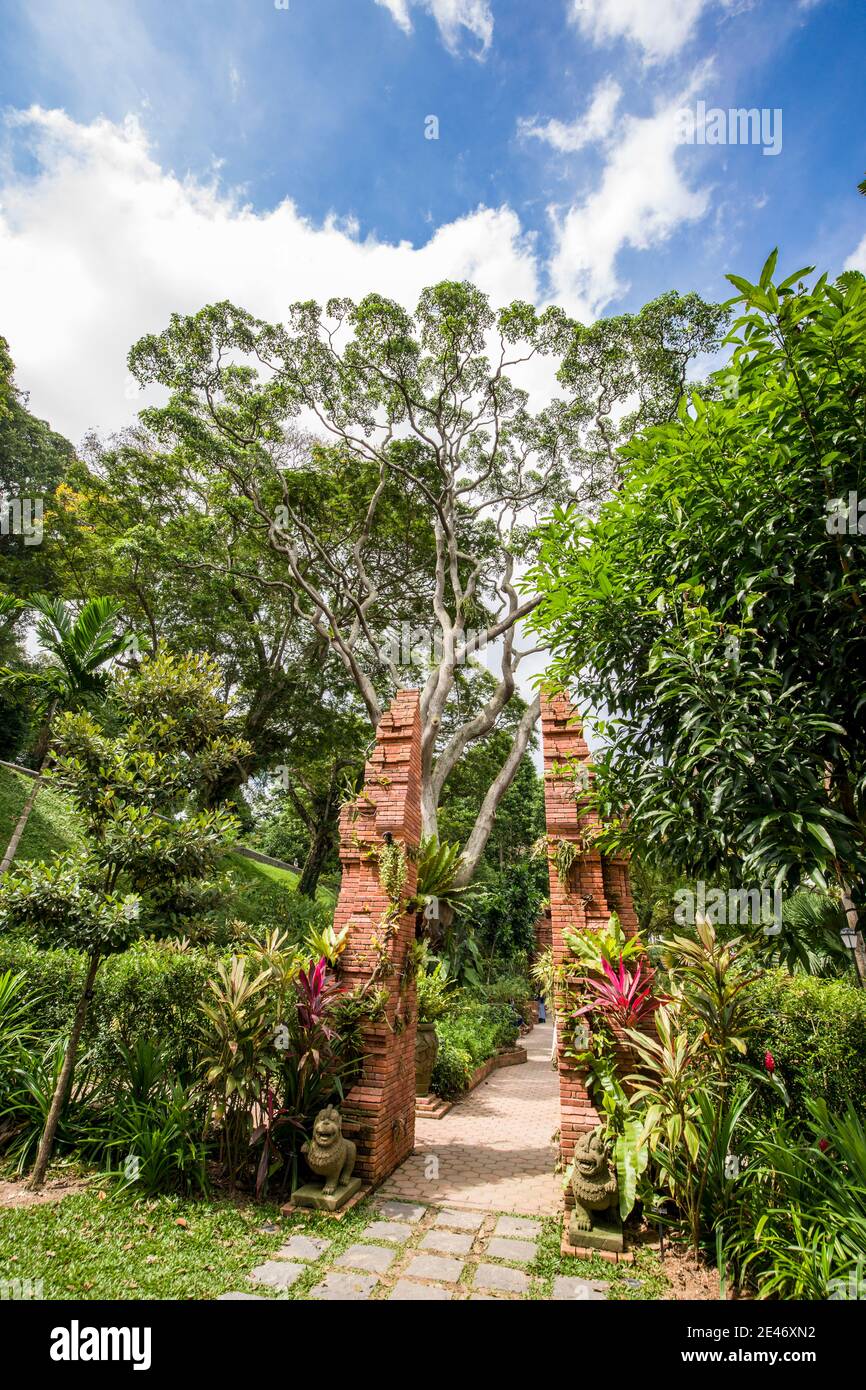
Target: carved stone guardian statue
(330, 1157)
(595, 1221)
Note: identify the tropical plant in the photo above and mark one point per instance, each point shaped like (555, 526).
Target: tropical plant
(624, 1132)
(17, 1027)
(799, 1228)
(693, 638)
(238, 1055)
(79, 646)
(592, 949)
(435, 992)
(623, 997)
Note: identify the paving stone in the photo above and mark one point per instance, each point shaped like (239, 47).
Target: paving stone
(303, 1248)
(518, 1227)
(402, 1211)
(344, 1287)
(461, 1220)
(484, 1298)
(279, 1274)
(435, 1267)
(406, 1291)
(568, 1286)
(241, 1297)
(448, 1242)
(500, 1248)
(397, 1232)
(498, 1277)
(373, 1258)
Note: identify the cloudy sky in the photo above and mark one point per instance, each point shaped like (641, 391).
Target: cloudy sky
(158, 154)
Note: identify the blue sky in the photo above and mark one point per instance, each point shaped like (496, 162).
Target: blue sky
(158, 154)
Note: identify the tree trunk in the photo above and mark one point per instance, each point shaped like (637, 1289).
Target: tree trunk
(12, 847)
(320, 843)
(46, 1143)
(484, 823)
(853, 921)
(38, 783)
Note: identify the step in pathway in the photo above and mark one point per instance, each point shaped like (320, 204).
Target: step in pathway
(412, 1252)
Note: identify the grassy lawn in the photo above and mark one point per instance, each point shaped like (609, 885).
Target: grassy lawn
(98, 1246)
(53, 826)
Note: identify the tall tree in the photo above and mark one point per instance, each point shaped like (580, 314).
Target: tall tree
(150, 839)
(424, 435)
(715, 608)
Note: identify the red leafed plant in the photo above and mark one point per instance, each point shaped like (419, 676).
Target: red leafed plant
(624, 996)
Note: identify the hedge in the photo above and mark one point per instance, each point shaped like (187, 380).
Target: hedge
(816, 1032)
(149, 992)
(468, 1035)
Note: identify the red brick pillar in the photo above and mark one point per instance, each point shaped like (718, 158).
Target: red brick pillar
(379, 1112)
(594, 886)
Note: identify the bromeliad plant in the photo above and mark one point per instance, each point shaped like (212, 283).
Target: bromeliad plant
(622, 997)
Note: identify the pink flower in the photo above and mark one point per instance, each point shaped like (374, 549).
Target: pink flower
(769, 1062)
(823, 1145)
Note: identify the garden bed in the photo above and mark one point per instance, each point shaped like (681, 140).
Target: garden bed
(433, 1107)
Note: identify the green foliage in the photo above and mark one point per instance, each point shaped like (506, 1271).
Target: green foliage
(150, 993)
(798, 1228)
(470, 1030)
(17, 1028)
(502, 917)
(816, 1032)
(63, 906)
(156, 1145)
(810, 941)
(434, 993)
(30, 1098)
(590, 948)
(713, 605)
(453, 1070)
(438, 863)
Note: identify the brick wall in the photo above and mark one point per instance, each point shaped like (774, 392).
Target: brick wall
(379, 1112)
(595, 886)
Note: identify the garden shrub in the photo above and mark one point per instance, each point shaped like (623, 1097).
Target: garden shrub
(511, 989)
(469, 1034)
(453, 1070)
(152, 992)
(815, 1030)
(258, 903)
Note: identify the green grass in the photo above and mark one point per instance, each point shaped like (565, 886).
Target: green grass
(84, 1247)
(53, 827)
(251, 869)
(99, 1246)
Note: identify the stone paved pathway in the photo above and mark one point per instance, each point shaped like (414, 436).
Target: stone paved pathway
(494, 1149)
(409, 1252)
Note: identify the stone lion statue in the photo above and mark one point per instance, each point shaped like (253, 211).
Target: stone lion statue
(593, 1182)
(328, 1154)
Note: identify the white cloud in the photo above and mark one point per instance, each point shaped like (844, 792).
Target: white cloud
(641, 198)
(857, 259)
(101, 245)
(659, 27)
(592, 127)
(451, 16)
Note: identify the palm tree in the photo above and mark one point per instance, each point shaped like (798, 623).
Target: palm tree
(78, 647)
